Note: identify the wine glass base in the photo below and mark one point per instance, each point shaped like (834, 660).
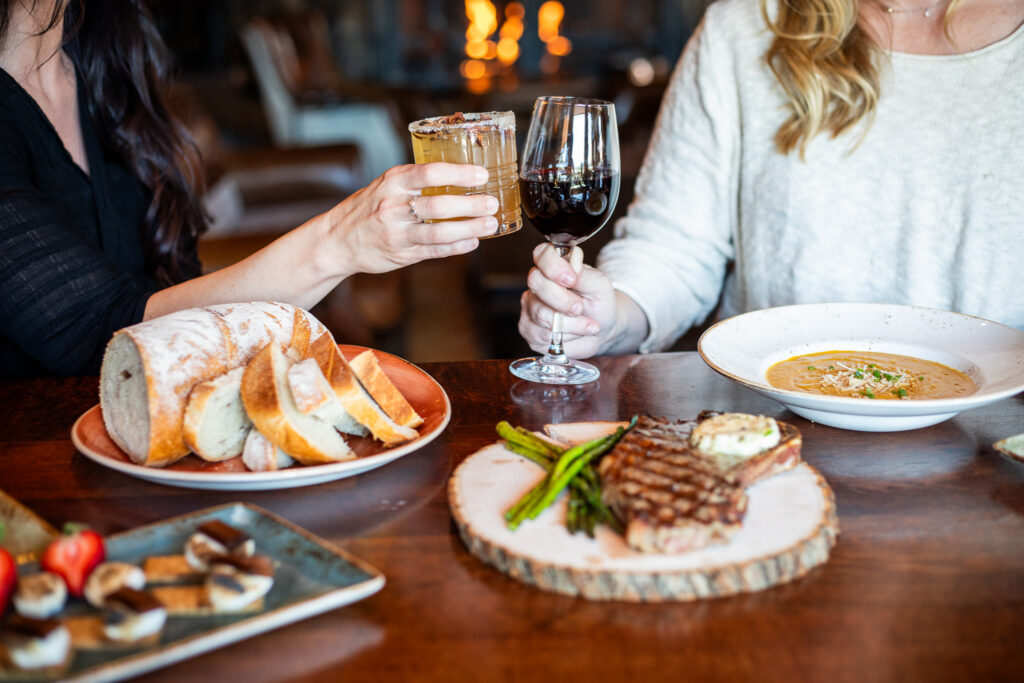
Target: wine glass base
(570, 372)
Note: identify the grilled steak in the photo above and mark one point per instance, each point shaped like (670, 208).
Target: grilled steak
(673, 497)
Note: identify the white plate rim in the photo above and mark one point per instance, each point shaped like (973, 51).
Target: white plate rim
(905, 407)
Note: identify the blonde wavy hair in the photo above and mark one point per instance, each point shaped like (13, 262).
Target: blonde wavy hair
(828, 66)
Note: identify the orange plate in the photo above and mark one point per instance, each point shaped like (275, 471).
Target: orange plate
(420, 389)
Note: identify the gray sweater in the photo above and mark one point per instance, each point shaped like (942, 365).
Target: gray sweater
(928, 208)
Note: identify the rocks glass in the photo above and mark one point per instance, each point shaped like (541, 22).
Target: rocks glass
(485, 139)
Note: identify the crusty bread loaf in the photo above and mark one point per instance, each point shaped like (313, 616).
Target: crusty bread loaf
(314, 396)
(371, 375)
(356, 401)
(260, 455)
(215, 422)
(149, 369)
(268, 401)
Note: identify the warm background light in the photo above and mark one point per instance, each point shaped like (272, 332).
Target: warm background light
(560, 46)
(511, 32)
(483, 20)
(508, 51)
(549, 16)
(473, 68)
(549, 19)
(482, 50)
(489, 57)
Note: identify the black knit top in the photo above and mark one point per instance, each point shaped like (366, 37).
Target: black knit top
(72, 263)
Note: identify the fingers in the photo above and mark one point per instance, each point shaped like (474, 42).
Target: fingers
(444, 206)
(552, 266)
(554, 294)
(432, 251)
(411, 211)
(539, 337)
(448, 232)
(414, 177)
(542, 316)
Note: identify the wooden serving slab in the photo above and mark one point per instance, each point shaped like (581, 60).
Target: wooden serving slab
(790, 527)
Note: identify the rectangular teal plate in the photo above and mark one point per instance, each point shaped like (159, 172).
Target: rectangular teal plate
(311, 577)
(26, 534)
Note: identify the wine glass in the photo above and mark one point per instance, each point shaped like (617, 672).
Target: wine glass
(569, 183)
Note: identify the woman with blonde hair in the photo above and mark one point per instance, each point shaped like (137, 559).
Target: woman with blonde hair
(812, 151)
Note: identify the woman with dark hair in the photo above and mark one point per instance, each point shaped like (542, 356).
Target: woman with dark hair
(813, 151)
(99, 212)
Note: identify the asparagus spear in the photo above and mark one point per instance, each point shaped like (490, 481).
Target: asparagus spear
(570, 468)
(559, 479)
(563, 472)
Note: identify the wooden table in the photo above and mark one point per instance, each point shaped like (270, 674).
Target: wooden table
(926, 582)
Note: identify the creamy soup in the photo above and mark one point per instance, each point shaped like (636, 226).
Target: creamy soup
(863, 374)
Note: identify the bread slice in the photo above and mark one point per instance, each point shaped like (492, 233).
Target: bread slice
(314, 396)
(309, 392)
(259, 455)
(149, 369)
(215, 422)
(354, 398)
(269, 403)
(371, 375)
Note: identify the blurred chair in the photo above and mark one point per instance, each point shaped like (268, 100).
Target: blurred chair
(260, 191)
(302, 98)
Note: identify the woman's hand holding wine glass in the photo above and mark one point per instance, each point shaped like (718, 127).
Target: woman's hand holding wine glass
(597, 319)
(569, 180)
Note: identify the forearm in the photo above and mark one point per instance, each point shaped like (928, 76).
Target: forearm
(299, 268)
(372, 231)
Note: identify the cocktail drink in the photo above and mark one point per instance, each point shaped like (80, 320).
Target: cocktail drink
(485, 139)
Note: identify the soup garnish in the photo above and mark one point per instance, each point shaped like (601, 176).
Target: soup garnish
(871, 375)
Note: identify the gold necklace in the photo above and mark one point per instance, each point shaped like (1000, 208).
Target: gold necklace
(927, 11)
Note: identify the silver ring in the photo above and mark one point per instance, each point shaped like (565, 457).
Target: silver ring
(412, 210)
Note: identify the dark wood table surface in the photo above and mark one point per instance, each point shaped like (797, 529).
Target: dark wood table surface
(926, 582)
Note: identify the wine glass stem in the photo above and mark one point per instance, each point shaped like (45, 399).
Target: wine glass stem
(556, 354)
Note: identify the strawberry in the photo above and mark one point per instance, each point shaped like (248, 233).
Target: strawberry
(8, 574)
(8, 577)
(73, 556)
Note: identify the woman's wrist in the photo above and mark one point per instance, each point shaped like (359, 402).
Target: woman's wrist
(630, 327)
(332, 254)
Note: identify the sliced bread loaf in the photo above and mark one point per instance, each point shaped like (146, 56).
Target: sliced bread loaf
(150, 369)
(268, 401)
(215, 423)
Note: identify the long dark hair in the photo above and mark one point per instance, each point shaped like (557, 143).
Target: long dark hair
(124, 66)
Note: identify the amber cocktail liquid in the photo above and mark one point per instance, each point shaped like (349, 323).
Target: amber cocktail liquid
(486, 139)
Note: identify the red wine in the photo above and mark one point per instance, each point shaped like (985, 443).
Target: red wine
(565, 207)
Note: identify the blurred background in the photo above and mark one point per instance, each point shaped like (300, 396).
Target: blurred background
(295, 104)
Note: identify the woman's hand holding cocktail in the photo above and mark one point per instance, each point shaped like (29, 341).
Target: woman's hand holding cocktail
(381, 227)
(378, 229)
(596, 318)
